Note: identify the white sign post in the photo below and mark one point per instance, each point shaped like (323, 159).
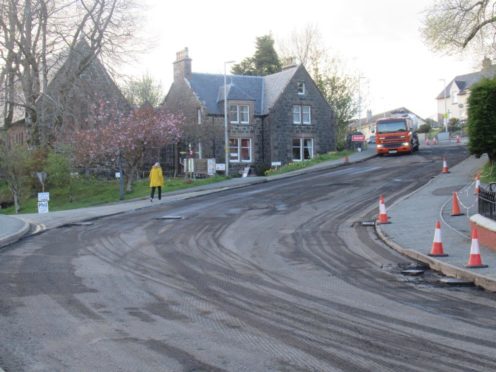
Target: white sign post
(43, 199)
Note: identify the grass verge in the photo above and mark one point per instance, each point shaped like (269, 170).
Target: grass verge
(488, 173)
(87, 192)
(307, 163)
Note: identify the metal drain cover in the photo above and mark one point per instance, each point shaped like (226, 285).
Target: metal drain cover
(456, 281)
(368, 223)
(412, 272)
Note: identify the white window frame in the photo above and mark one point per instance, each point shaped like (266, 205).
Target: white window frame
(235, 150)
(241, 114)
(302, 114)
(233, 111)
(300, 88)
(306, 116)
(296, 114)
(244, 114)
(303, 143)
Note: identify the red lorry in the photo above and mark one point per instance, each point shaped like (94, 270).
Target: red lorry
(395, 135)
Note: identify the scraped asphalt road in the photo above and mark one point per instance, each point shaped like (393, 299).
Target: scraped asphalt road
(275, 277)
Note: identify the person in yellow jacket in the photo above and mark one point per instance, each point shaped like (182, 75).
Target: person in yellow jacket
(156, 181)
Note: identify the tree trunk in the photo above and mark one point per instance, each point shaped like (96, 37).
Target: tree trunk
(17, 205)
(129, 176)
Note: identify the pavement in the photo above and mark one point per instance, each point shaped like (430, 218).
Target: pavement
(410, 232)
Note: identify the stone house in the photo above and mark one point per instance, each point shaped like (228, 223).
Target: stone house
(452, 101)
(79, 86)
(272, 120)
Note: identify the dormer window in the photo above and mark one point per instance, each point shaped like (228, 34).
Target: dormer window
(301, 88)
(239, 114)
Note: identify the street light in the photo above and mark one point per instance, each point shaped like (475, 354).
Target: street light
(445, 114)
(226, 136)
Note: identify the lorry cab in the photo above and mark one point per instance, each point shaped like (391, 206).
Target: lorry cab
(395, 135)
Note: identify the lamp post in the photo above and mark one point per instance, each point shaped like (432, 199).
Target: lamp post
(445, 114)
(226, 135)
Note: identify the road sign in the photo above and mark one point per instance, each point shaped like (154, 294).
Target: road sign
(357, 138)
(43, 207)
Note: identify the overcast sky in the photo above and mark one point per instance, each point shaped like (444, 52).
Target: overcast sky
(378, 39)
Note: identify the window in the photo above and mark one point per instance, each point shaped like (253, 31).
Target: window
(301, 88)
(239, 114)
(296, 114)
(302, 149)
(233, 114)
(307, 116)
(454, 97)
(302, 114)
(240, 150)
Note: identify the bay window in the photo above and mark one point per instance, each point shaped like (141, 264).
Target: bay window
(239, 114)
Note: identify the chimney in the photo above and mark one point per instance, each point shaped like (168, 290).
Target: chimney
(182, 65)
(288, 63)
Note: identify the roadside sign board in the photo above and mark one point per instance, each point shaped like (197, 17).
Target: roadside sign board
(357, 138)
(43, 196)
(43, 207)
(43, 199)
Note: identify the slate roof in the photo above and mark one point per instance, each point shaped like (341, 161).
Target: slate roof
(465, 82)
(262, 90)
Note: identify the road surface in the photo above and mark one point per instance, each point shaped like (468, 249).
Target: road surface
(280, 276)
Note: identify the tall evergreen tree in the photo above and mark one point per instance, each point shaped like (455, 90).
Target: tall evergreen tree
(482, 119)
(265, 61)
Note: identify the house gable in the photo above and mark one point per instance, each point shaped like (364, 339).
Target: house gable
(71, 96)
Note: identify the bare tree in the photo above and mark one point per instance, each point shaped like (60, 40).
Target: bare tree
(14, 163)
(453, 25)
(337, 86)
(35, 35)
(143, 90)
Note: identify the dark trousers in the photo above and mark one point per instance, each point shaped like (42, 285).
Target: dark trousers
(152, 192)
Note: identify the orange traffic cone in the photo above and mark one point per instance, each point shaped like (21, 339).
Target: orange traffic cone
(383, 217)
(455, 208)
(477, 184)
(445, 166)
(437, 244)
(475, 261)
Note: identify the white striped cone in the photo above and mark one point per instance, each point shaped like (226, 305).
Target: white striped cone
(475, 260)
(383, 217)
(437, 244)
(445, 166)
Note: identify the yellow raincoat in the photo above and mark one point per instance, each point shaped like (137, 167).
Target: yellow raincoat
(156, 176)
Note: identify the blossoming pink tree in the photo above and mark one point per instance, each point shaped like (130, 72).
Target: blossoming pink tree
(127, 136)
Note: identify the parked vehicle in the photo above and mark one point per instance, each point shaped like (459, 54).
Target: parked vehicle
(372, 139)
(396, 135)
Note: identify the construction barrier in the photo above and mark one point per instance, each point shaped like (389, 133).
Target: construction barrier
(475, 260)
(437, 244)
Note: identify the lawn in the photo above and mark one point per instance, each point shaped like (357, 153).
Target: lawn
(308, 163)
(88, 191)
(488, 173)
